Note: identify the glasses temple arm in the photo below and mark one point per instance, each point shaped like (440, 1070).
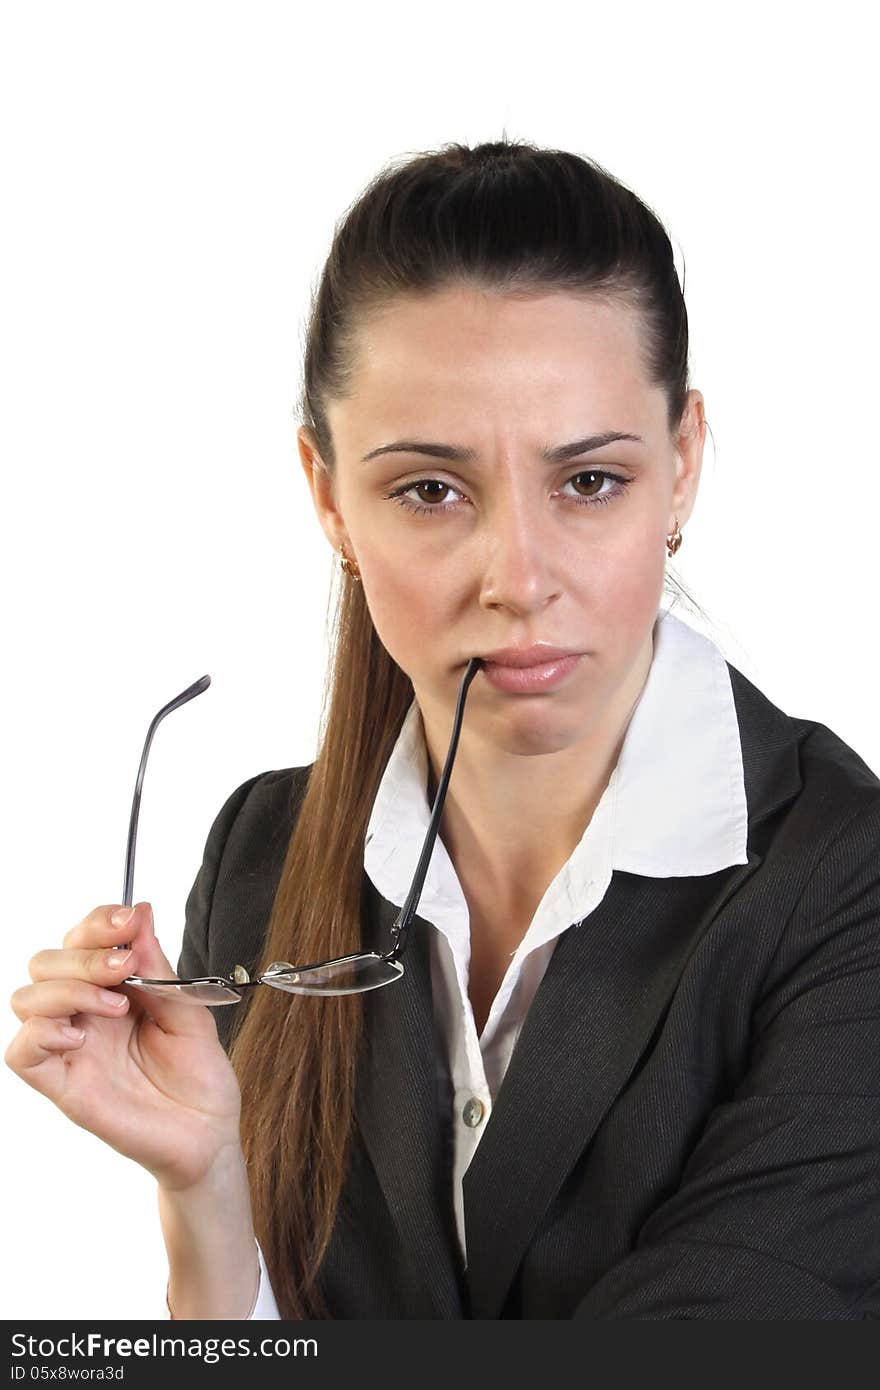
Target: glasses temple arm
(408, 911)
(195, 689)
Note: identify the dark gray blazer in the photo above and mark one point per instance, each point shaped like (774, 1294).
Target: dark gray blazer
(690, 1123)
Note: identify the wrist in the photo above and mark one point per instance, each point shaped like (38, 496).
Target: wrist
(227, 1165)
(209, 1237)
(250, 1310)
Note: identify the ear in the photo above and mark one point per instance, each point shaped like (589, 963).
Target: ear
(689, 443)
(320, 483)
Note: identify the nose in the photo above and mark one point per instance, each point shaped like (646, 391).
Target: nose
(519, 566)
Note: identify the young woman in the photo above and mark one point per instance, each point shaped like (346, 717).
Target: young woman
(629, 1068)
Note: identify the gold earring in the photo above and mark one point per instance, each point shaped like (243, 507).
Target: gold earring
(674, 541)
(348, 565)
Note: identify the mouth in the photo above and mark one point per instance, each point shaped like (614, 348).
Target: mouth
(532, 677)
(520, 658)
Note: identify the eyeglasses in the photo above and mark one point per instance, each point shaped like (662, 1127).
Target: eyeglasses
(352, 974)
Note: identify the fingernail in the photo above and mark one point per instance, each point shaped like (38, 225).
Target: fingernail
(117, 958)
(73, 1032)
(121, 916)
(115, 1000)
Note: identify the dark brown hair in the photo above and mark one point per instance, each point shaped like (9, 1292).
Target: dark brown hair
(503, 216)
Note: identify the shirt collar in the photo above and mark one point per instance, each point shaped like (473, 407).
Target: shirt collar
(681, 796)
(675, 803)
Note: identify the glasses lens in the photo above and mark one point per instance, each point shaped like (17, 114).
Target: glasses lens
(204, 992)
(348, 975)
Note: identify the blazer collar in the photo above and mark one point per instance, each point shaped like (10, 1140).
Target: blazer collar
(644, 930)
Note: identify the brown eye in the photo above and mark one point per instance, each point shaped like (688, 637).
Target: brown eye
(428, 494)
(433, 497)
(430, 491)
(595, 482)
(591, 496)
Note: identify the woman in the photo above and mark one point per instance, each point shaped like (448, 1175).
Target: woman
(630, 1069)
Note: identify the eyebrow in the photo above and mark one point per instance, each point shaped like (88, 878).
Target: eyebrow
(559, 454)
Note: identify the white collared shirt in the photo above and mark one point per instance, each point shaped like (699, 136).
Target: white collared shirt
(675, 805)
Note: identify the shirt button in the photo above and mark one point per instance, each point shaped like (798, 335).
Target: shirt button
(473, 1112)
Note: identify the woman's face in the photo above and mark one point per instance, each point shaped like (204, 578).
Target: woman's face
(505, 548)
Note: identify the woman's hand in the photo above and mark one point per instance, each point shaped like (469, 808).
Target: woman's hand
(149, 1076)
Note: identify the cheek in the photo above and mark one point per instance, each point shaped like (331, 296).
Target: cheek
(406, 609)
(626, 590)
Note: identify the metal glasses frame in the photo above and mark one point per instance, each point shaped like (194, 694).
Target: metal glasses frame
(382, 968)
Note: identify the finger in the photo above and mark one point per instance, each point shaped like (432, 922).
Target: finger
(172, 1014)
(62, 998)
(106, 967)
(109, 967)
(97, 930)
(38, 1039)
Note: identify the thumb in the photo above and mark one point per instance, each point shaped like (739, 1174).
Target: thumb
(173, 1012)
(150, 959)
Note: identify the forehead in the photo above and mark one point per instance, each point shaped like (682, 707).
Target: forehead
(477, 351)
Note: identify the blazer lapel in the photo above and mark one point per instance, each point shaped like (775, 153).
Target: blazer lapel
(610, 979)
(396, 1107)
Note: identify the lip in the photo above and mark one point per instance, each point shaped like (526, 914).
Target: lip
(537, 655)
(530, 680)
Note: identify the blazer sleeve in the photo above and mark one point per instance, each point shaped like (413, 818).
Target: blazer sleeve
(777, 1213)
(194, 949)
(194, 957)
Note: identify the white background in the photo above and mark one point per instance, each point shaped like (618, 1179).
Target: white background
(171, 174)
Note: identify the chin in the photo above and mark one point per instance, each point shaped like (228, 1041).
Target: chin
(532, 743)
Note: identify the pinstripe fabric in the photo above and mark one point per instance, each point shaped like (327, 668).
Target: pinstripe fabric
(689, 1125)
